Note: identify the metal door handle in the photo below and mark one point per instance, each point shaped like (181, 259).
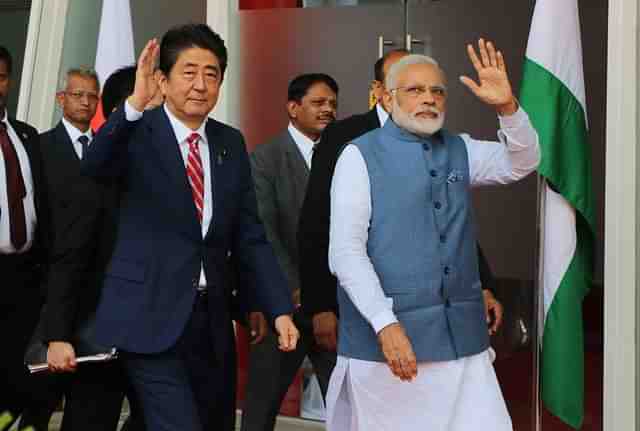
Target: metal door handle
(411, 41)
(382, 42)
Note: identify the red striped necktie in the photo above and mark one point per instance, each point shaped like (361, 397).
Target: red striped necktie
(195, 173)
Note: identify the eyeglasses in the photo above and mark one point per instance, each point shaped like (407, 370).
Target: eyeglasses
(415, 91)
(79, 95)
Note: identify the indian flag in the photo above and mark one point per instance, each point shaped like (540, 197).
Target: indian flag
(553, 94)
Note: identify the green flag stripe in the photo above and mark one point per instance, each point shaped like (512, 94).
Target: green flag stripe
(563, 341)
(560, 122)
(566, 163)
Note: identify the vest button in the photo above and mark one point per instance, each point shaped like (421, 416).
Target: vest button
(447, 270)
(443, 238)
(438, 205)
(433, 173)
(426, 147)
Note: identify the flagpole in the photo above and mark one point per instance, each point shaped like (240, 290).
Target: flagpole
(538, 305)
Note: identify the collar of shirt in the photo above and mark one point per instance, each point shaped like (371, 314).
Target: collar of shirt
(181, 131)
(383, 115)
(74, 133)
(5, 120)
(13, 135)
(303, 142)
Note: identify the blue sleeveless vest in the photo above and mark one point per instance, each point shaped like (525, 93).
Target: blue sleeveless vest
(422, 244)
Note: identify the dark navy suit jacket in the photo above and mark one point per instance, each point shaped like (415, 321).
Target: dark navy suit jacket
(149, 284)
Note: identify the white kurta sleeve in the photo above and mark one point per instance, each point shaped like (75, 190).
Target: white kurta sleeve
(513, 158)
(348, 235)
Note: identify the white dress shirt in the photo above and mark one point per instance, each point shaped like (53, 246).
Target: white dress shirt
(303, 142)
(29, 204)
(74, 133)
(383, 115)
(515, 156)
(182, 132)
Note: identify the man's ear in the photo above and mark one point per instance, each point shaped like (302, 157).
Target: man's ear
(60, 98)
(161, 79)
(292, 108)
(387, 100)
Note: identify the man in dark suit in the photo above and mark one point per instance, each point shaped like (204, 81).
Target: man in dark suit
(318, 285)
(186, 205)
(22, 245)
(80, 243)
(280, 170)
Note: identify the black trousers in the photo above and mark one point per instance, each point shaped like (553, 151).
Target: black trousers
(190, 386)
(271, 371)
(93, 399)
(20, 303)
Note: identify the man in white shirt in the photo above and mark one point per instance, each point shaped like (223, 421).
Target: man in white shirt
(280, 170)
(412, 350)
(317, 283)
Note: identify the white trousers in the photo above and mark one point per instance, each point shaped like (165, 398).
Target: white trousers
(459, 395)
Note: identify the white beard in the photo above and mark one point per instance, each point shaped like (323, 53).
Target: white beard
(424, 127)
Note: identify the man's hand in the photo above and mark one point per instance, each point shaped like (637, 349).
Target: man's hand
(146, 85)
(258, 327)
(325, 330)
(493, 310)
(288, 334)
(398, 352)
(494, 88)
(61, 357)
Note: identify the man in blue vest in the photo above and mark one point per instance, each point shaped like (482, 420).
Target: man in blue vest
(413, 349)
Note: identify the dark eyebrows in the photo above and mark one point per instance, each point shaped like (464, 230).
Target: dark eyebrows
(212, 68)
(207, 66)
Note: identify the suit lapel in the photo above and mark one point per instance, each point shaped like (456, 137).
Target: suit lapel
(372, 119)
(164, 142)
(33, 153)
(68, 154)
(297, 165)
(218, 168)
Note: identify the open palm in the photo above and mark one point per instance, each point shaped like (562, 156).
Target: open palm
(493, 87)
(146, 85)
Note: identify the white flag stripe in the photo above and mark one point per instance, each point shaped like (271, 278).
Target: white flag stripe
(559, 19)
(559, 243)
(115, 38)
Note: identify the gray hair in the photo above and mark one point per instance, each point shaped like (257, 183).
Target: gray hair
(408, 60)
(83, 71)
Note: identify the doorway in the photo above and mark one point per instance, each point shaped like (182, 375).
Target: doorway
(343, 38)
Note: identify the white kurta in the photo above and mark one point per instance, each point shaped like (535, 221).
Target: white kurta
(446, 396)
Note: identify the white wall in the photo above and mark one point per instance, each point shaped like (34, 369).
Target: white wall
(621, 224)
